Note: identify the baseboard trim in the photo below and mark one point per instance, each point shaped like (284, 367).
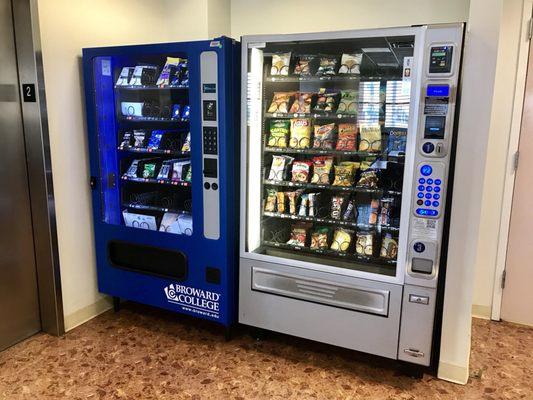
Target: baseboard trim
(87, 313)
(453, 373)
(481, 311)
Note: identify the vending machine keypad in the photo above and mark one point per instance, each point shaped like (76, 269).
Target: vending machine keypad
(429, 191)
(210, 140)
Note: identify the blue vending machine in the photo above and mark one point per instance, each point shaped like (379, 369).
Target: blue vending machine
(162, 123)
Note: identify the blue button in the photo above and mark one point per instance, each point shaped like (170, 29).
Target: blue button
(428, 195)
(428, 147)
(421, 188)
(427, 203)
(420, 195)
(430, 181)
(436, 196)
(435, 204)
(438, 181)
(419, 247)
(429, 188)
(426, 212)
(426, 170)
(421, 181)
(437, 189)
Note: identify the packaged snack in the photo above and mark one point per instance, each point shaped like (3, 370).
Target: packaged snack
(348, 103)
(397, 143)
(279, 132)
(138, 138)
(350, 63)
(165, 169)
(345, 173)
(324, 136)
(155, 140)
(176, 111)
(301, 171)
(149, 170)
(280, 165)
(303, 65)
(188, 175)
(364, 243)
(293, 200)
(144, 75)
(389, 247)
(386, 211)
(313, 204)
(300, 133)
(280, 202)
(270, 202)
(177, 169)
(179, 76)
(125, 76)
(280, 64)
(365, 164)
(369, 179)
(374, 209)
(349, 213)
(370, 138)
(302, 104)
(321, 169)
(327, 66)
(304, 204)
(319, 238)
(326, 102)
(363, 214)
(298, 235)
(337, 204)
(164, 77)
(186, 114)
(132, 169)
(280, 102)
(187, 144)
(126, 140)
(341, 239)
(347, 139)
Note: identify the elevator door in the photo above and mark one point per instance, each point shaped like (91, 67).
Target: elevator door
(19, 305)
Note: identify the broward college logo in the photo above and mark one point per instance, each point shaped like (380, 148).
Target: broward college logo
(194, 300)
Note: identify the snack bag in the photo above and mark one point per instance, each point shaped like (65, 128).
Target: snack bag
(149, 170)
(397, 143)
(370, 138)
(347, 139)
(348, 103)
(165, 170)
(132, 169)
(298, 235)
(280, 165)
(337, 204)
(138, 138)
(280, 202)
(279, 132)
(293, 200)
(327, 66)
(374, 210)
(270, 202)
(350, 63)
(302, 104)
(301, 171)
(369, 179)
(365, 164)
(177, 169)
(303, 65)
(188, 175)
(321, 169)
(324, 136)
(345, 173)
(389, 247)
(341, 239)
(155, 140)
(164, 77)
(364, 243)
(300, 133)
(313, 204)
(304, 204)
(386, 211)
(126, 140)
(187, 144)
(326, 102)
(280, 64)
(280, 102)
(350, 211)
(319, 238)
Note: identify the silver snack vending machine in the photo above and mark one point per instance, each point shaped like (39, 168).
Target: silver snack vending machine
(347, 152)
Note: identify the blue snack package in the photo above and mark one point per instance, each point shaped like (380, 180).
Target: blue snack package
(155, 140)
(397, 142)
(176, 111)
(186, 113)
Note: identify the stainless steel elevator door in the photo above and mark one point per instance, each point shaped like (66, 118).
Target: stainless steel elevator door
(19, 305)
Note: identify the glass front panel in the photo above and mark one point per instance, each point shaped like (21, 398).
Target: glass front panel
(327, 133)
(143, 116)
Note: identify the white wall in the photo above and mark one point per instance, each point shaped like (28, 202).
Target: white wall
(66, 27)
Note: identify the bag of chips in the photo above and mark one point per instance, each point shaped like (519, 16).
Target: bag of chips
(313, 204)
(303, 65)
(139, 137)
(187, 143)
(301, 171)
(280, 102)
(348, 103)
(271, 199)
(347, 138)
(304, 204)
(397, 143)
(389, 247)
(327, 66)
(324, 136)
(350, 211)
(364, 243)
(293, 200)
(341, 239)
(155, 140)
(279, 167)
(337, 204)
(370, 138)
(369, 179)
(345, 173)
(350, 63)
(280, 196)
(321, 169)
(319, 238)
(298, 235)
(126, 140)
(280, 64)
(279, 132)
(374, 210)
(149, 170)
(326, 101)
(300, 133)
(302, 104)
(386, 211)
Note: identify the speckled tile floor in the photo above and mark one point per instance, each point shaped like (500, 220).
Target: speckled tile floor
(143, 353)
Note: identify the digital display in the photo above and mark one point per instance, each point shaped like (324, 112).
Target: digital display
(435, 127)
(440, 60)
(438, 91)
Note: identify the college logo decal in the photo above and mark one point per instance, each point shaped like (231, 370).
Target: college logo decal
(194, 300)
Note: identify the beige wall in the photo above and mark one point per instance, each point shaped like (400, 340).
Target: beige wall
(66, 27)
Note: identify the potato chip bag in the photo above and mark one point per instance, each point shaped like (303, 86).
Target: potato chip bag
(347, 138)
(324, 136)
(348, 103)
(341, 239)
(321, 169)
(279, 133)
(370, 138)
(280, 64)
(302, 104)
(300, 133)
(350, 63)
(280, 102)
